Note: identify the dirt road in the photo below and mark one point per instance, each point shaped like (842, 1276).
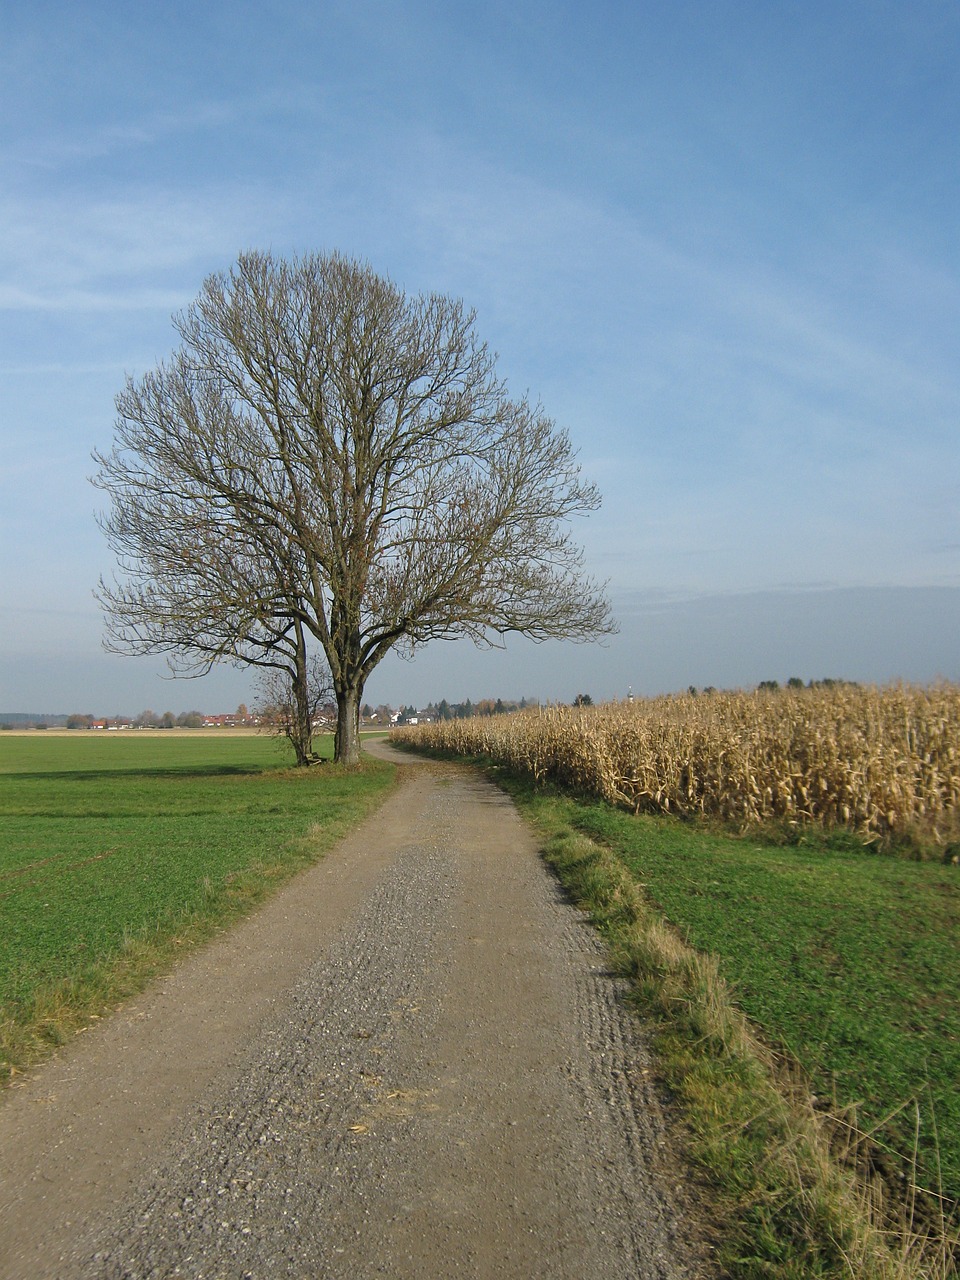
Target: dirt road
(412, 1063)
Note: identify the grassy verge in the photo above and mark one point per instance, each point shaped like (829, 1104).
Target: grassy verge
(840, 960)
(848, 962)
(119, 853)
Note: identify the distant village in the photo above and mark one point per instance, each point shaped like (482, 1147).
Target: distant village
(370, 717)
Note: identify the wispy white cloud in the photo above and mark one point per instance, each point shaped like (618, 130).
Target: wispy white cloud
(590, 261)
(60, 369)
(199, 121)
(74, 253)
(85, 142)
(13, 299)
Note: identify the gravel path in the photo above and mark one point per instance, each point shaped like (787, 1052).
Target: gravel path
(412, 1063)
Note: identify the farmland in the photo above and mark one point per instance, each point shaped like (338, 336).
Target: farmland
(883, 762)
(117, 852)
(120, 852)
(763, 828)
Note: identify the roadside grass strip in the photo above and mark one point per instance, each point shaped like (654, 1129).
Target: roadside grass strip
(119, 853)
(806, 1006)
(804, 1178)
(848, 960)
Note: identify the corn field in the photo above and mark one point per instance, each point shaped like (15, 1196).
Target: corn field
(880, 760)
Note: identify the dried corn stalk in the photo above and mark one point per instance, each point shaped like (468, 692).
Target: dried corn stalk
(875, 759)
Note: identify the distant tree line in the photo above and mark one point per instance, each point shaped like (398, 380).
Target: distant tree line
(151, 720)
(829, 682)
(27, 720)
(771, 686)
(445, 710)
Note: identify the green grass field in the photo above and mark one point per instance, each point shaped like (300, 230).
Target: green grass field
(118, 851)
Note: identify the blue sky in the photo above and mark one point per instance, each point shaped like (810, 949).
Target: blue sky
(717, 241)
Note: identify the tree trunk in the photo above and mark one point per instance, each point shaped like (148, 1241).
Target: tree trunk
(300, 728)
(300, 724)
(347, 741)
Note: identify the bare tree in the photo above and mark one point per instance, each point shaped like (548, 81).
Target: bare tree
(290, 704)
(323, 452)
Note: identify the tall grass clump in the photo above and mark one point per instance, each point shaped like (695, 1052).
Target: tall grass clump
(884, 762)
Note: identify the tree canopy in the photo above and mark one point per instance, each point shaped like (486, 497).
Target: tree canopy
(325, 461)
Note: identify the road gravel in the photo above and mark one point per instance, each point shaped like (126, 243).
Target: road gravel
(413, 1062)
